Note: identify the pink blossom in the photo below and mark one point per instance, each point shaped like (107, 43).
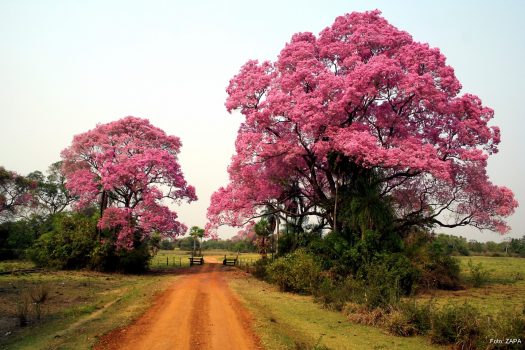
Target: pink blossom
(128, 168)
(364, 93)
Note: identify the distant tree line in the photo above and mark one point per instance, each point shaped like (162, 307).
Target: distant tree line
(455, 245)
(234, 245)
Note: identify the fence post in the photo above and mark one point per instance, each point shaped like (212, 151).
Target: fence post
(180, 262)
(167, 262)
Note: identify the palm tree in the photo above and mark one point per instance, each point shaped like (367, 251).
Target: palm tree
(197, 233)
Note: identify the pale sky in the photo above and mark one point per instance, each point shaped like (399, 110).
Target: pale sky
(67, 65)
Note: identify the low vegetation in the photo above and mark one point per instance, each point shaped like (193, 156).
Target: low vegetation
(70, 309)
(486, 301)
(291, 321)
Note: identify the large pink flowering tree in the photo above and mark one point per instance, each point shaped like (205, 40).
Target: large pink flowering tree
(129, 169)
(357, 125)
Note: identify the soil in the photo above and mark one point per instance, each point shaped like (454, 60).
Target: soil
(199, 311)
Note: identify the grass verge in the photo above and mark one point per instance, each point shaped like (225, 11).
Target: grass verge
(290, 321)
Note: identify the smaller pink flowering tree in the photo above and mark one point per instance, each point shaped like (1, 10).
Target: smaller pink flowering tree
(15, 193)
(129, 169)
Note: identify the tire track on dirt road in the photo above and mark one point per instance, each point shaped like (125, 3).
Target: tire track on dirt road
(198, 311)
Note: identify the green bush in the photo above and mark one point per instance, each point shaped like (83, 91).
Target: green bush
(437, 268)
(295, 272)
(457, 324)
(478, 274)
(398, 323)
(409, 318)
(260, 268)
(384, 280)
(73, 243)
(69, 245)
(106, 257)
(379, 283)
(335, 294)
(506, 326)
(134, 260)
(167, 245)
(17, 236)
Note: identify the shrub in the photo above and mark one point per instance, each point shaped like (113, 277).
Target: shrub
(106, 257)
(431, 258)
(359, 313)
(39, 294)
(68, 245)
(504, 325)
(260, 267)
(409, 318)
(398, 323)
(295, 272)
(459, 325)
(478, 274)
(384, 280)
(74, 243)
(330, 294)
(134, 260)
(440, 271)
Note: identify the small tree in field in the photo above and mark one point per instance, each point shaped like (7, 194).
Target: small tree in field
(129, 169)
(362, 130)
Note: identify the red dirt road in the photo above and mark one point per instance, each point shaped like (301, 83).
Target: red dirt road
(199, 311)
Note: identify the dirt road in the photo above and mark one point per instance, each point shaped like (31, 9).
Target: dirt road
(199, 311)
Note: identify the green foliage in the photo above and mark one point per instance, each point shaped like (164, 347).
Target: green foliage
(437, 269)
(334, 294)
(50, 191)
(517, 246)
(513, 247)
(291, 238)
(297, 272)
(232, 245)
(185, 243)
(409, 318)
(69, 245)
(106, 257)
(134, 260)
(167, 244)
(260, 268)
(442, 271)
(505, 326)
(17, 236)
(478, 274)
(385, 279)
(262, 228)
(73, 242)
(456, 324)
(243, 246)
(452, 245)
